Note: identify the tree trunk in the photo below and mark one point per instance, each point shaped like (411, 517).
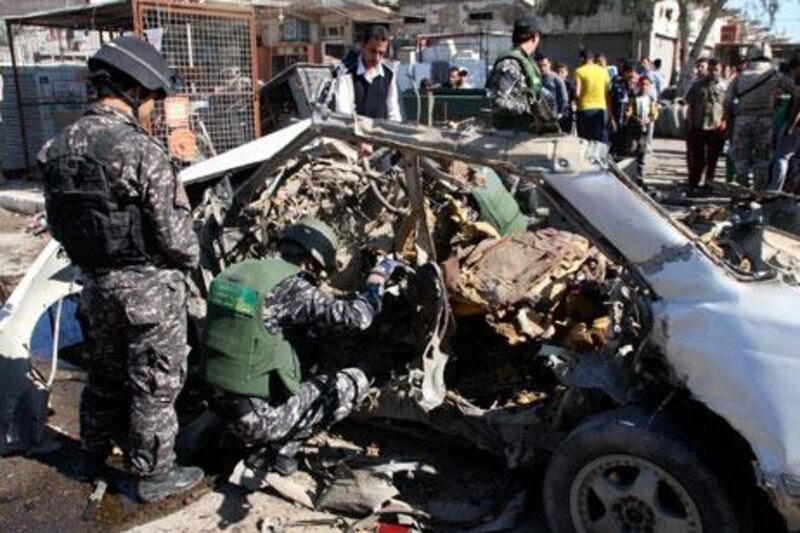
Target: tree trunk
(714, 10)
(683, 40)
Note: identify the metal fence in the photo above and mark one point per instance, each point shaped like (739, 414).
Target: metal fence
(213, 50)
(212, 47)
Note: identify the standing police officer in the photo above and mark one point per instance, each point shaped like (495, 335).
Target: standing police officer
(751, 101)
(515, 85)
(115, 203)
(258, 312)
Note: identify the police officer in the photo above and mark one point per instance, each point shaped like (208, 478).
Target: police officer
(258, 311)
(515, 85)
(751, 99)
(115, 203)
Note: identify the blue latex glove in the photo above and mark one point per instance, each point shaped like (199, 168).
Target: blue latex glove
(385, 267)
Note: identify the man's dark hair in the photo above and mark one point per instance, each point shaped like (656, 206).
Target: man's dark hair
(701, 60)
(454, 69)
(627, 66)
(375, 33)
(713, 62)
(600, 55)
(525, 29)
(657, 63)
(585, 54)
(559, 66)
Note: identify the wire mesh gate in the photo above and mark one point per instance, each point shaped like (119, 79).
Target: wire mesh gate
(213, 50)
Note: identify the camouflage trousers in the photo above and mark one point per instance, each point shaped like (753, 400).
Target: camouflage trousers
(320, 402)
(752, 149)
(137, 354)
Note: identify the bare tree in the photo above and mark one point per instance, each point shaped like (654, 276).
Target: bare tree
(714, 10)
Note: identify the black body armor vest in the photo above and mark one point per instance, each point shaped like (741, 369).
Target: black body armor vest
(96, 230)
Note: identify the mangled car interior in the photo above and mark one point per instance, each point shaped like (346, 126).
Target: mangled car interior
(546, 307)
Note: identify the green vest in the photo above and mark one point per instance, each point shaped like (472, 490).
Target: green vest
(533, 76)
(239, 354)
(498, 206)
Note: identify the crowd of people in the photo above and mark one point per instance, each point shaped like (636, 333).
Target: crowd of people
(613, 104)
(749, 105)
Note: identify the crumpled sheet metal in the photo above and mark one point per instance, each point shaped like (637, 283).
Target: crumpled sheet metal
(733, 343)
(511, 434)
(326, 188)
(357, 492)
(504, 278)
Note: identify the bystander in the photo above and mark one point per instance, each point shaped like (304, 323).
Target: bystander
(592, 91)
(706, 126)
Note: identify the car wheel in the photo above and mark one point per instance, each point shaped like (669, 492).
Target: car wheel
(619, 472)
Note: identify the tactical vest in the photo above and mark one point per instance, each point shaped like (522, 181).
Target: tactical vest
(498, 206)
(533, 76)
(96, 229)
(533, 80)
(239, 354)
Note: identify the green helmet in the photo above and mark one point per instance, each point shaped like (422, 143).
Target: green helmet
(317, 238)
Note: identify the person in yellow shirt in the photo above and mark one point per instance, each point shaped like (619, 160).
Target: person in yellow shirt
(592, 92)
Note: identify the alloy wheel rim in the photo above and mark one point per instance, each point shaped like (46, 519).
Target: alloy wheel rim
(626, 493)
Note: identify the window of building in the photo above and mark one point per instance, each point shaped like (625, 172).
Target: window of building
(413, 19)
(332, 32)
(295, 31)
(479, 16)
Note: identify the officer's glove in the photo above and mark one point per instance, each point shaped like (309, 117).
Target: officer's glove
(383, 270)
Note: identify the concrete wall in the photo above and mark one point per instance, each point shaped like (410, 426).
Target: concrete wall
(454, 16)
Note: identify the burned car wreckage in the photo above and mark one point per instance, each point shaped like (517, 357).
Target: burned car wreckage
(589, 329)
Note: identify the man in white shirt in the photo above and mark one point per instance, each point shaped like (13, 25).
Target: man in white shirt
(366, 83)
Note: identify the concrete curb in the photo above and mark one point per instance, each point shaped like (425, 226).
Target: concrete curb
(22, 202)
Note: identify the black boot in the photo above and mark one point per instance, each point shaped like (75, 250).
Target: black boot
(266, 460)
(179, 479)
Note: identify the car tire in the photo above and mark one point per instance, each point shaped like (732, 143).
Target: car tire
(620, 471)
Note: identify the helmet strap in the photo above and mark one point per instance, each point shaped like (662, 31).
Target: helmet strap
(134, 101)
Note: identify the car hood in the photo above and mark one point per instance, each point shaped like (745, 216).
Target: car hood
(737, 353)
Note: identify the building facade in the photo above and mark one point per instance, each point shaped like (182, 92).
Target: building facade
(311, 30)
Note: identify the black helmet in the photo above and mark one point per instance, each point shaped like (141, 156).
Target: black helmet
(137, 59)
(317, 238)
(524, 28)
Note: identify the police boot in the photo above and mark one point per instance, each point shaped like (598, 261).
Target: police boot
(265, 460)
(179, 479)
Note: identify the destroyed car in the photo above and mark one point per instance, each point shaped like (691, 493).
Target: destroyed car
(589, 330)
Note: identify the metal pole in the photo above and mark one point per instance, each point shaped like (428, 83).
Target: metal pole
(254, 75)
(22, 131)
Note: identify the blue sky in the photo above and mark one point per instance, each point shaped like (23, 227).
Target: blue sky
(786, 20)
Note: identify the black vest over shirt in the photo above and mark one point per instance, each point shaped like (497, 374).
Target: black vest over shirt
(371, 97)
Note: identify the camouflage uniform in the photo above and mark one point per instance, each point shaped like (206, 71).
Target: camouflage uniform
(508, 90)
(135, 315)
(754, 120)
(298, 309)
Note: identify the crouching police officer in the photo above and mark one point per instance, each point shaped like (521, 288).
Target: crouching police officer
(257, 311)
(115, 203)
